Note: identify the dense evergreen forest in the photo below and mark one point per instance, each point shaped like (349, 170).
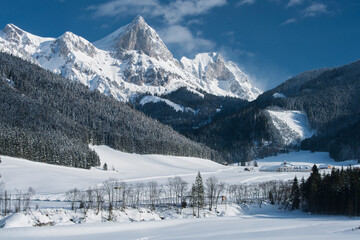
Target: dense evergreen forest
(47, 118)
(337, 192)
(200, 109)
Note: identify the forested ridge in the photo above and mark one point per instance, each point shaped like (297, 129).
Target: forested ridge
(204, 109)
(329, 97)
(45, 117)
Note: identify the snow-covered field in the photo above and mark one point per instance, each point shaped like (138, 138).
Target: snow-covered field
(20, 174)
(248, 226)
(229, 223)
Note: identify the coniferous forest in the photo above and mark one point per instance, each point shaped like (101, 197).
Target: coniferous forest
(337, 192)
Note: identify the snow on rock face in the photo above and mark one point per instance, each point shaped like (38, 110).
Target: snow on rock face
(220, 77)
(292, 125)
(130, 61)
(69, 42)
(17, 42)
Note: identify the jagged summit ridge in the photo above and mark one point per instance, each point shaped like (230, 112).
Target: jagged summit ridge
(69, 42)
(138, 36)
(130, 61)
(221, 77)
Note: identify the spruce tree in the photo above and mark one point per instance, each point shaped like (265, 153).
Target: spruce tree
(295, 195)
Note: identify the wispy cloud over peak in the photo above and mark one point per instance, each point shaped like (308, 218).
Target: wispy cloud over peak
(245, 2)
(293, 3)
(182, 36)
(288, 21)
(315, 9)
(178, 16)
(173, 12)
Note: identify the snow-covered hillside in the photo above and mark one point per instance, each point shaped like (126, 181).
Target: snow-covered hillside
(292, 125)
(129, 61)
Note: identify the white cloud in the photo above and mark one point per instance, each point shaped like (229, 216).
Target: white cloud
(289, 21)
(243, 2)
(315, 9)
(182, 36)
(173, 12)
(293, 3)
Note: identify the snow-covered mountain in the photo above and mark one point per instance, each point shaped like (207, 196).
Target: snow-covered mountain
(130, 61)
(219, 77)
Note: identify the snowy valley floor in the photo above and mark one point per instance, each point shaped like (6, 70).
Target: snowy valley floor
(235, 222)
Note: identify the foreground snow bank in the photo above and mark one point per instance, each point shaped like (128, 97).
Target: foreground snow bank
(53, 217)
(285, 226)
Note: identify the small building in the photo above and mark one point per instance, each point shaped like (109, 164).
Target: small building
(286, 167)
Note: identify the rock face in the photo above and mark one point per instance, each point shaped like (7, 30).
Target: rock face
(220, 77)
(136, 36)
(130, 61)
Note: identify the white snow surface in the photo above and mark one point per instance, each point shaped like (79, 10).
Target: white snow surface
(292, 125)
(112, 70)
(175, 106)
(230, 222)
(265, 223)
(53, 181)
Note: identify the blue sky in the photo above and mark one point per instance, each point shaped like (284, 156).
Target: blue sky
(271, 40)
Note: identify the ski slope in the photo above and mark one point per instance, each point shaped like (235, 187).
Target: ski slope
(292, 125)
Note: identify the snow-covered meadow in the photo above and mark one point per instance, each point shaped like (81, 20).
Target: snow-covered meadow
(229, 222)
(20, 174)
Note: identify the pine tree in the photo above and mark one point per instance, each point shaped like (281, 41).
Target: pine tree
(198, 193)
(295, 195)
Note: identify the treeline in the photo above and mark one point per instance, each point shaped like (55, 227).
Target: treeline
(52, 119)
(337, 192)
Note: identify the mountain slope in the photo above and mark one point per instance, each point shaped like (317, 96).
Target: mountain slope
(44, 115)
(130, 61)
(329, 99)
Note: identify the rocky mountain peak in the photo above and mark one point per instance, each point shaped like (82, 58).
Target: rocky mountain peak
(138, 36)
(69, 42)
(13, 33)
(222, 77)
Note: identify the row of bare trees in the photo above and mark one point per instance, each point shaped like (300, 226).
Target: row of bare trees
(114, 195)
(17, 202)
